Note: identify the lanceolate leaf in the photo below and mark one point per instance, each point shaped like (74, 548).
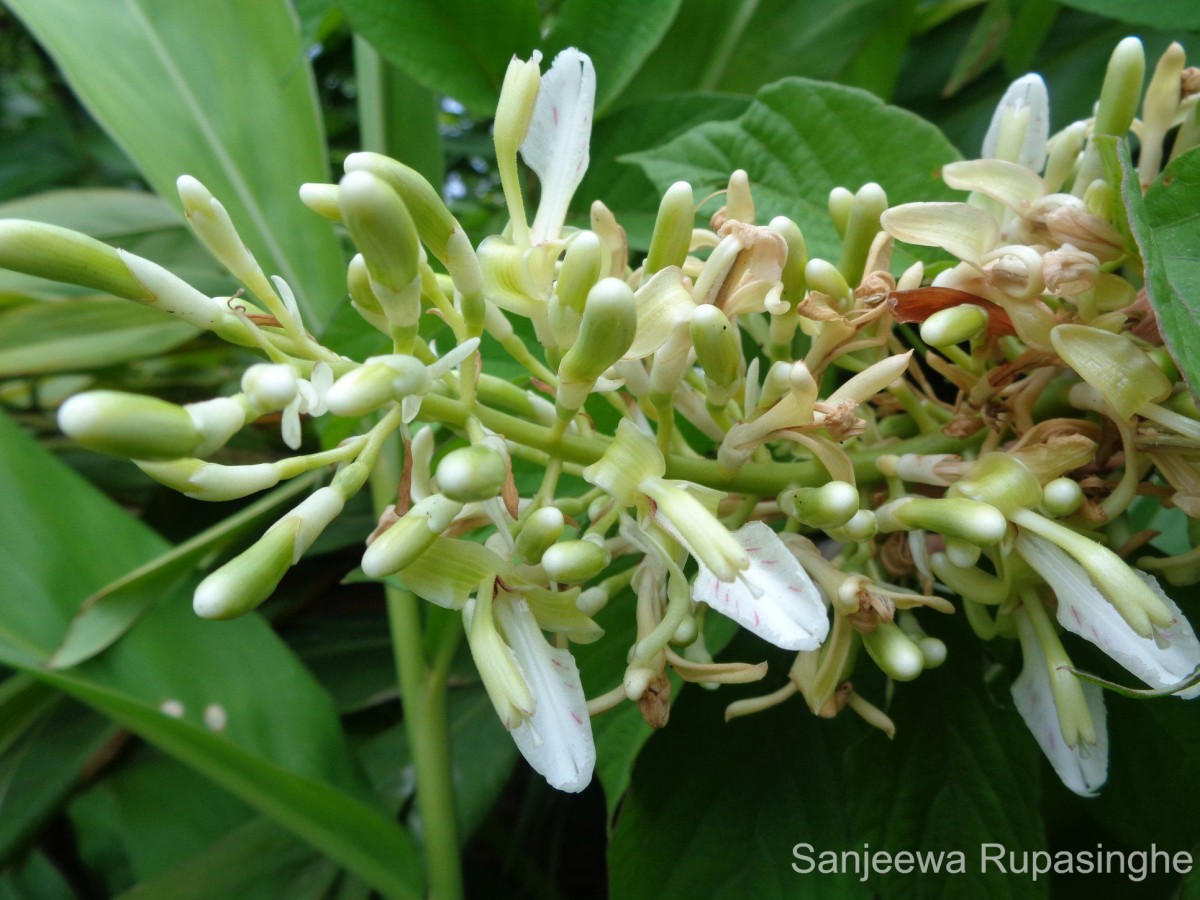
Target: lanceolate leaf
(220, 91)
(1178, 15)
(785, 142)
(1167, 230)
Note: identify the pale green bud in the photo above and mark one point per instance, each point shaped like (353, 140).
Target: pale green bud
(1062, 497)
(672, 235)
(605, 334)
(825, 277)
(739, 203)
(831, 505)
(1063, 152)
(794, 282)
(959, 517)
(322, 199)
(543, 527)
(472, 474)
(60, 254)
(861, 228)
(582, 266)
(933, 651)
(718, 351)
(212, 224)
(408, 538)
(518, 97)
(382, 228)
(894, 652)
(1100, 200)
(861, 527)
(954, 325)
(269, 386)
(999, 480)
(210, 481)
(961, 553)
(574, 562)
(140, 427)
(1122, 88)
(376, 382)
(249, 578)
(841, 203)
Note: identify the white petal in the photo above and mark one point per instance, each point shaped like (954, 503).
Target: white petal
(557, 739)
(1026, 97)
(1081, 771)
(287, 296)
(960, 229)
(1083, 610)
(1011, 184)
(440, 367)
(291, 423)
(556, 146)
(775, 599)
(662, 304)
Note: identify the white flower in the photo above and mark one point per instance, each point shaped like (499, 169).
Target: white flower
(309, 399)
(1082, 768)
(1164, 660)
(775, 599)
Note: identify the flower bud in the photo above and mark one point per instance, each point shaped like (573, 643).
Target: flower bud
(1064, 150)
(582, 267)
(249, 578)
(215, 229)
(574, 562)
(322, 199)
(954, 325)
(959, 517)
(1062, 497)
(60, 254)
(605, 334)
(861, 228)
(139, 427)
(409, 537)
(472, 474)
(379, 380)
(672, 229)
(861, 527)
(382, 229)
(1020, 125)
(894, 652)
(841, 202)
(969, 581)
(269, 386)
(1122, 88)
(210, 481)
(1001, 481)
(794, 283)
(832, 505)
(541, 529)
(717, 351)
(962, 553)
(824, 277)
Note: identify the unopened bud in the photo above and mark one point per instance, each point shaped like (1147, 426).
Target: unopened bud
(831, 505)
(376, 382)
(382, 229)
(210, 481)
(322, 199)
(841, 203)
(269, 386)
(472, 474)
(1020, 125)
(794, 282)
(954, 325)
(574, 562)
(718, 352)
(739, 202)
(970, 520)
(1122, 88)
(894, 652)
(1062, 497)
(212, 224)
(582, 267)
(539, 532)
(412, 535)
(1001, 481)
(861, 527)
(672, 229)
(861, 228)
(140, 427)
(605, 334)
(60, 254)
(825, 277)
(249, 578)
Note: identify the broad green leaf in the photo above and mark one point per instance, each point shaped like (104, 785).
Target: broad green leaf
(1167, 230)
(960, 772)
(35, 879)
(984, 46)
(1178, 15)
(41, 767)
(737, 46)
(618, 35)
(75, 335)
(279, 748)
(456, 47)
(787, 141)
(115, 608)
(714, 809)
(219, 91)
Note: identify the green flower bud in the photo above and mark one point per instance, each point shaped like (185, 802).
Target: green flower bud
(841, 203)
(1122, 88)
(672, 237)
(379, 380)
(60, 254)
(472, 474)
(954, 325)
(861, 228)
(999, 480)
(212, 482)
(961, 553)
(408, 538)
(269, 386)
(249, 578)
(322, 199)
(739, 203)
(1062, 497)
(970, 582)
(718, 351)
(543, 527)
(605, 334)
(970, 520)
(825, 277)
(831, 505)
(894, 652)
(794, 282)
(861, 527)
(582, 266)
(140, 427)
(574, 562)
(382, 228)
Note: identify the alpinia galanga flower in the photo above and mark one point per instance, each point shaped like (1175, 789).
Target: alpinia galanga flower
(830, 489)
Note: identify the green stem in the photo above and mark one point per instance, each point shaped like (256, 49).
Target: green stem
(423, 693)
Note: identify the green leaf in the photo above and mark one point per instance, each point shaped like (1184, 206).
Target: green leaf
(117, 607)
(960, 772)
(786, 141)
(1167, 230)
(456, 47)
(983, 47)
(35, 879)
(618, 35)
(86, 333)
(714, 810)
(218, 91)
(1174, 15)
(737, 46)
(280, 748)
